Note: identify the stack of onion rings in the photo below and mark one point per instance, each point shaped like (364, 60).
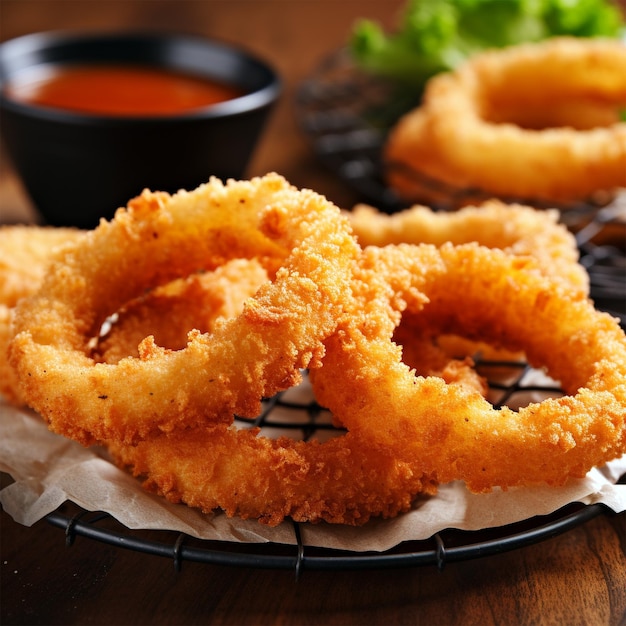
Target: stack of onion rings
(306, 481)
(536, 122)
(307, 295)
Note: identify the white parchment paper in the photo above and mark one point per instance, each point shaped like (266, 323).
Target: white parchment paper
(48, 469)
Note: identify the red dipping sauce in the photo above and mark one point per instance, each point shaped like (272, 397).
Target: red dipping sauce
(118, 90)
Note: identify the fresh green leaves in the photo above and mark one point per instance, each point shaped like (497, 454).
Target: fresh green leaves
(436, 35)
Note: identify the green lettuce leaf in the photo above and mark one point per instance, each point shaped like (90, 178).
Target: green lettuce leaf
(436, 35)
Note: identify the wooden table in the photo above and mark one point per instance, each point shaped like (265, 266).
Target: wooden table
(578, 577)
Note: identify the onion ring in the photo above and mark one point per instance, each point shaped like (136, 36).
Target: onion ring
(517, 229)
(159, 238)
(25, 252)
(449, 431)
(469, 131)
(344, 480)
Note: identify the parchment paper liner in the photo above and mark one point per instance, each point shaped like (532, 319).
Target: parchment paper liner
(49, 469)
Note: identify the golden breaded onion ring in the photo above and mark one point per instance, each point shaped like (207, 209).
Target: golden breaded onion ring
(345, 480)
(536, 121)
(155, 240)
(25, 252)
(451, 431)
(515, 228)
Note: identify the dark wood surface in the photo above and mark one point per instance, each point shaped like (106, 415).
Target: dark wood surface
(575, 578)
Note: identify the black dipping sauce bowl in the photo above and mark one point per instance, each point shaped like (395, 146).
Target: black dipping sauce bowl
(80, 167)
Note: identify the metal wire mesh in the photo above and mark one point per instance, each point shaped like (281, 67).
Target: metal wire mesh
(446, 547)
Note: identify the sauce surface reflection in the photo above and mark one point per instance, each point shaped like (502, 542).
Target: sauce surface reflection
(123, 90)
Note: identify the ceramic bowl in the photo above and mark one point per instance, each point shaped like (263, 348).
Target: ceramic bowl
(79, 167)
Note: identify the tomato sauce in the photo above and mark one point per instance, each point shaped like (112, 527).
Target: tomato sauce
(119, 90)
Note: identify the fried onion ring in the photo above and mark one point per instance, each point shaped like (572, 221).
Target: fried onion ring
(517, 229)
(344, 480)
(450, 431)
(497, 125)
(155, 240)
(25, 252)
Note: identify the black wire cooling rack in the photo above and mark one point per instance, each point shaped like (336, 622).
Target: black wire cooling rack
(448, 546)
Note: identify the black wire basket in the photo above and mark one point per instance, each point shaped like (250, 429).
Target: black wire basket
(448, 546)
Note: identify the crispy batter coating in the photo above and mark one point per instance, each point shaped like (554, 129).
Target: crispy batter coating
(517, 229)
(157, 239)
(537, 121)
(344, 480)
(424, 354)
(25, 252)
(8, 382)
(451, 431)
